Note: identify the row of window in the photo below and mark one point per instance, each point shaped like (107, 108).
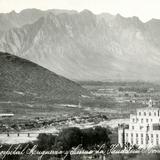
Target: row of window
(142, 120)
(144, 113)
(141, 127)
(142, 135)
(143, 140)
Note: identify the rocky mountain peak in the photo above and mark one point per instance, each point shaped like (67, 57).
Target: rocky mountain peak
(85, 46)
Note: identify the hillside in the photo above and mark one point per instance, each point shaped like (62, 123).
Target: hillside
(85, 46)
(24, 81)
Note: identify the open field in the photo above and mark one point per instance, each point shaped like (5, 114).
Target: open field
(124, 97)
(112, 99)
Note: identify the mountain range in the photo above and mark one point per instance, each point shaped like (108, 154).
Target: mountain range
(25, 81)
(83, 45)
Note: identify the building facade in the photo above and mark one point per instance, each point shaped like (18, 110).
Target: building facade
(143, 129)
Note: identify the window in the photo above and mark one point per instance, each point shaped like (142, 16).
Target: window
(136, 141)
(141, 134)
(137, 119)
(147, 138)
(155, 113)
(157, 142)
(149, 113)
(131, 134)
(147, 120)
(133, 127)
(136, 138)
(144, 113)
(133, 120)
(141, 138)
(151, 120)
(141, 127)
(126, 134)
(139, 113)
(142, 141)
(132, 141)
(142, 120)
(152, 138)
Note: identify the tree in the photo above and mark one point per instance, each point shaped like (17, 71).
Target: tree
(68, 138)
(96, 136)
(45, 141)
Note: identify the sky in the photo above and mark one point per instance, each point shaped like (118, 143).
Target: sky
(144, 9)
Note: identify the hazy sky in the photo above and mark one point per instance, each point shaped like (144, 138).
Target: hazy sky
(144, 9)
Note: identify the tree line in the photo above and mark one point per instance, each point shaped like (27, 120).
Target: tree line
(72, 137)
(68, 138)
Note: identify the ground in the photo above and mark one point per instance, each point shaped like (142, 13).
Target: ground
(108, 105)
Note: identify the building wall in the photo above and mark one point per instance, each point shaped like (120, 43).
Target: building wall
(121, 137)
(144, 128)
(143, 139)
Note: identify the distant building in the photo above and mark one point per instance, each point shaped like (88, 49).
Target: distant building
(143, 129)
(6, 114)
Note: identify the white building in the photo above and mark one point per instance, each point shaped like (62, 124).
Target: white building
(143, 129)
(6, 115)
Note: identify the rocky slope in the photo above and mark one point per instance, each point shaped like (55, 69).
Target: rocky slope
(85, 46)
(27, 16)
(24, 81)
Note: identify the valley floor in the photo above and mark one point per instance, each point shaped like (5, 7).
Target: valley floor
(31, 135)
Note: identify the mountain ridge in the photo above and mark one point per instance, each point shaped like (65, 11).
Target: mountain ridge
(85, 46)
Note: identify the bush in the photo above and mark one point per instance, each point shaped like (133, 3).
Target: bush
(89, 138)
(45, 141)
(68, 138)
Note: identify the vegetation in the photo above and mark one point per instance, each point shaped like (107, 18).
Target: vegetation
(24, 81)
(118, 83)
(67, 139)
(90, 139)
(72, 137)
(45, 141)
(133, 89)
